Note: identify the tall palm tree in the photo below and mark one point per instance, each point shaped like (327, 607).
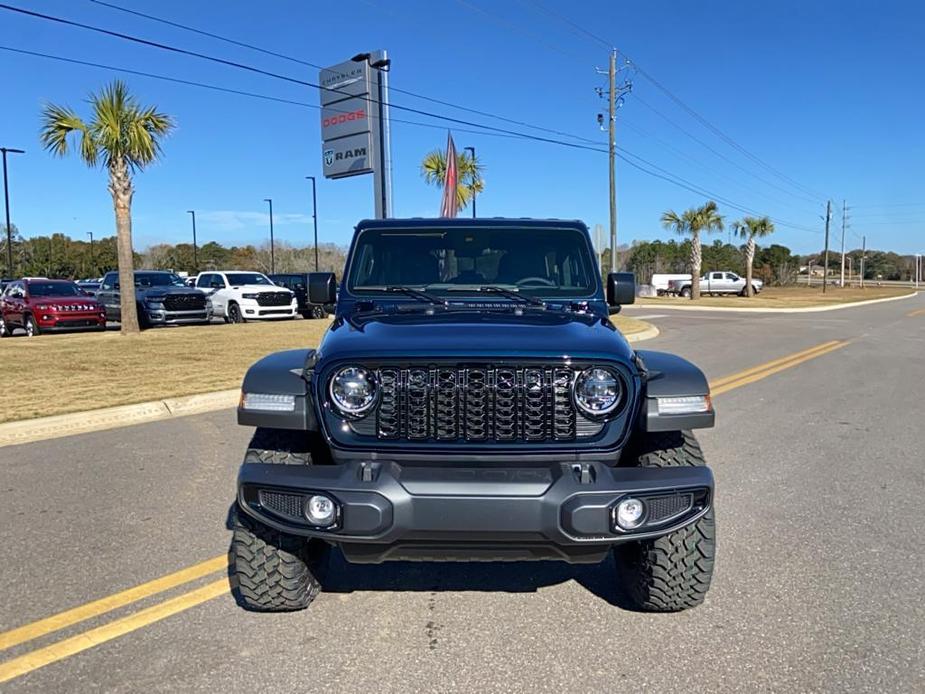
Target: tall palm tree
(433, 169)
(691, 223)
(125, 137)
(751, 228)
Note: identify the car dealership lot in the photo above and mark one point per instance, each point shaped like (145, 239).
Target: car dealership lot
(819, 573)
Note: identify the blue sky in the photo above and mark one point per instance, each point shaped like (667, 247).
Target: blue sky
(828, 93)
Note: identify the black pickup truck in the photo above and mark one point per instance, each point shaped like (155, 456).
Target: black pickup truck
(472, 400)
(162, 299)
(298, 282)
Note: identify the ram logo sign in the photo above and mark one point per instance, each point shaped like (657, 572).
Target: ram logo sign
(349, 126)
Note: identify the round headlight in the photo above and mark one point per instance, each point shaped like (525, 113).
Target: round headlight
(353, 390)
(598, 391)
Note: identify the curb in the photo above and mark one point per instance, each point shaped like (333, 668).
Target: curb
(805, 309)
(57, 426)
(646, 334)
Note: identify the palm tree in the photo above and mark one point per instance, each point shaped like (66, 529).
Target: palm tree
(433, 169)
(752, 228)
(124, 137)
(692, 222)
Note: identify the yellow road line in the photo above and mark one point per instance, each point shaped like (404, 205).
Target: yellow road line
(78, 614)
(774, 362)
(94, 637)
(752, 375)
(917, 312)
(71, 646)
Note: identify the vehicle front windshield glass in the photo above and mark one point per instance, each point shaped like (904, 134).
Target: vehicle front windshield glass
(54, 289)
(238, 278)
(158, 279)
(540, 262)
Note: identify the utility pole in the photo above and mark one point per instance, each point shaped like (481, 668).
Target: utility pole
(92, 259)
(825, 269)
(6, 203)
(844, 220)
(195, 252)
(863, 256)
(314, 218)
(472, 149)
(612, 153)
(272, 258)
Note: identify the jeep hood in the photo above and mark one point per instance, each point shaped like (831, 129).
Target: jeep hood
(549, 334)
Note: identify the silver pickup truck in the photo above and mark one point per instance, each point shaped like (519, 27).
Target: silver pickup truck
(715, 283)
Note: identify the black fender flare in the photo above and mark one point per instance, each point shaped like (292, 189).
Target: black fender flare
(668, 375)
(281, 373)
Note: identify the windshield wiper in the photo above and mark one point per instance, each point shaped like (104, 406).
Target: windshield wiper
(510, 294)
(416, 294)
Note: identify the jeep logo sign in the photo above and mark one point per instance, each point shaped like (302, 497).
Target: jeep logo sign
(349, 119)
(348, 156)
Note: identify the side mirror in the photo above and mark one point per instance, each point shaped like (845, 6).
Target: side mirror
(322, 288)
(621, 289)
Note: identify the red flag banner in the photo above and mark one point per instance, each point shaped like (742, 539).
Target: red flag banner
(450, 181)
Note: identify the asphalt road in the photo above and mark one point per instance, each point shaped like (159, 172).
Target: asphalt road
(819, 582)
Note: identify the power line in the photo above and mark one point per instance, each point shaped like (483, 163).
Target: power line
(307, 63)
(667, 176)
(580, 29)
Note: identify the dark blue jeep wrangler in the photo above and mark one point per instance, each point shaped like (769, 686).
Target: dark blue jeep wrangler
(472, 401)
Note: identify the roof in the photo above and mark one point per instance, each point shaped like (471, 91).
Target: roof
(469, 222)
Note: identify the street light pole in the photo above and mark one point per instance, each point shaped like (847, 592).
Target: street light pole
(92, 259)
(472, 149)
(6, 203)
(272, 258)
(314, 218)
(195, 251)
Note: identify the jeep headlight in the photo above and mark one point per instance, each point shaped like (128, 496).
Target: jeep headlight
(353, 390)
(597, 391)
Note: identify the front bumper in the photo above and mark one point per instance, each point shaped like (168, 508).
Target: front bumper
(70, 320)
(389, 511)
(160, 316)
(251, 310)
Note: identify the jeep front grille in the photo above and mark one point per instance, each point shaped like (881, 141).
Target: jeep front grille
(274, 299)
(185, 302)
(477, 403)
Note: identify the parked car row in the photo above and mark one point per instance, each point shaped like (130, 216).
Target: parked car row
(37, 305)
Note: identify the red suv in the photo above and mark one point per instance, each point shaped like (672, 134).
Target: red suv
(37, 305)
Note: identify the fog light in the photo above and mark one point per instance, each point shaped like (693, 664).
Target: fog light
(629, 513)
(321, 510)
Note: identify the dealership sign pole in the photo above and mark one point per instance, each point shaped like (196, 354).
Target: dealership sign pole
(355, 123)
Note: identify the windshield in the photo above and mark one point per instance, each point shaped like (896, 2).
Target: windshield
(543, 262)
(157, 279)
(236, 279)
(54, 289)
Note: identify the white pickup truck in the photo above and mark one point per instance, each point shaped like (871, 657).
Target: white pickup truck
(239, 296)
(715, 283)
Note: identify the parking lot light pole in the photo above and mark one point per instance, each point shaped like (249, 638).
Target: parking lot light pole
(92, 259)
(6, 203)
(272, 258)
(472, 149)
(314, 218)
(195, 252)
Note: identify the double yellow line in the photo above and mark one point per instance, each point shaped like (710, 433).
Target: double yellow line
(67, 647)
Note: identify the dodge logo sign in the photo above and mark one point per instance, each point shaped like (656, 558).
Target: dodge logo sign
(328, 157)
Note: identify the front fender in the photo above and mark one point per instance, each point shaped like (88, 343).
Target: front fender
(281, 373)
(668, 375)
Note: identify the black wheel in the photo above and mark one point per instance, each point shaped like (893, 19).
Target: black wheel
(5, 330)
(31, 327)
(673, 572)
(274, 570)
(318, 312)
(234, 313)
(143, 322)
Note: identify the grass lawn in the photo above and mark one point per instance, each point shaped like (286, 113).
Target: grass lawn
(56, 374)
(786, 297)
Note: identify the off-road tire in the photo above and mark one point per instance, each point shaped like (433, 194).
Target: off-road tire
(271, 568)
(673, 572)
(274, 569)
